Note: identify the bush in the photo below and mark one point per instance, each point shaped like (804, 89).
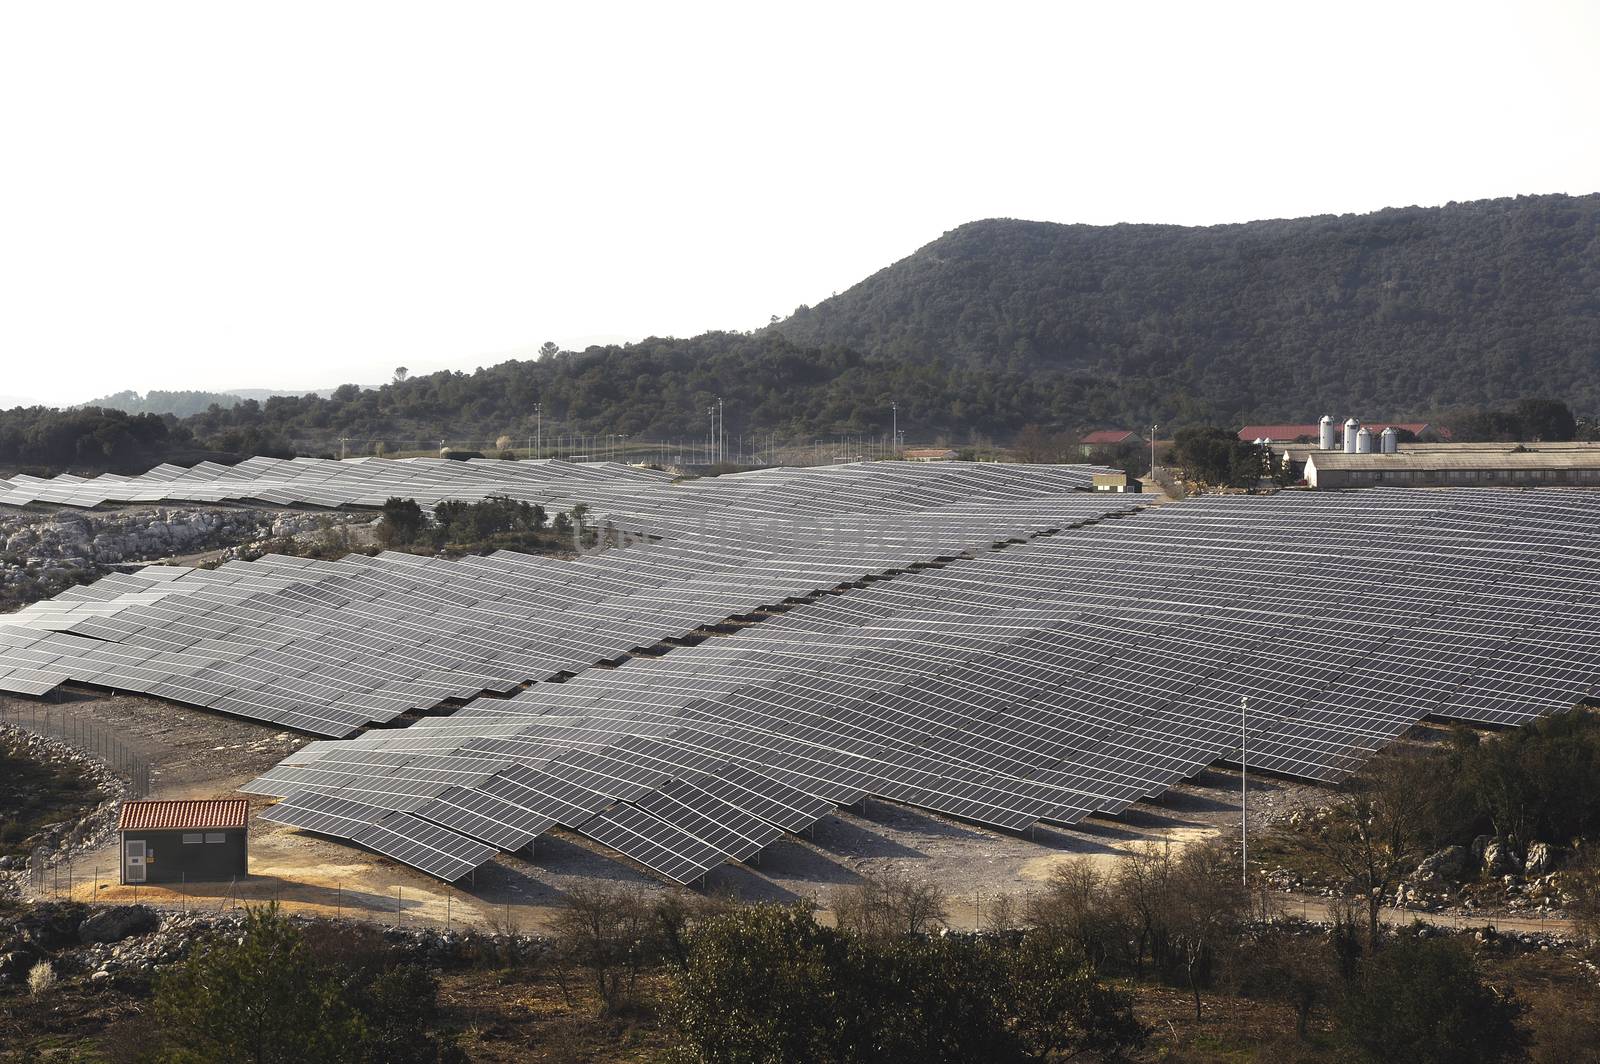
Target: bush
(41, 977)
(771, 984)
(606, 932)
(270, 997)
(1423, 1001)
(889, 906)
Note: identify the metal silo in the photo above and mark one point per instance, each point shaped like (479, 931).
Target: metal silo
(1351, 427)
(1329, 439)
(1389, 443)
(1364, 441)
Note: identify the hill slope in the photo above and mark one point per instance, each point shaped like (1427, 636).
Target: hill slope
(1406, 313)
(1406, 310)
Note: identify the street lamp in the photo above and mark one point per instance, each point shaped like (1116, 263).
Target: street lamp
(1244, 784)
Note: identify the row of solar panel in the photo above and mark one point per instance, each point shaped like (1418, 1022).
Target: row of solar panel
(1069, 676)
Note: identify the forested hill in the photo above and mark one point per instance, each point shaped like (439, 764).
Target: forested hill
(1409, 310)
(1409, 313)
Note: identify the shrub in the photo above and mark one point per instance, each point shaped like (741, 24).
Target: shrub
(1423, 1001)
(41, 977)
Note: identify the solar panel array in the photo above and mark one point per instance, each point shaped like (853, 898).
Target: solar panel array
(634, 494)
(330, 647)
(1067, 676)
(321, 482)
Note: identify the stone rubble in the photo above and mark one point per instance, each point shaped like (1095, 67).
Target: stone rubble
(41, 554)
(66, 840)
(107, 944)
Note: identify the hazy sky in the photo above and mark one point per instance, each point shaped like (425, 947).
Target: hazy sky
(216, 195)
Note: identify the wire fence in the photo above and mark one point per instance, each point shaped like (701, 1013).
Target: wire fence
(83, 733)
(439, 907)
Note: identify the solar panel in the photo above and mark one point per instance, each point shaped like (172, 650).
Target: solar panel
(432, 849)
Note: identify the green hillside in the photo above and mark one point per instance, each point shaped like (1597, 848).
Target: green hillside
(1406, 313)
(1409, 310)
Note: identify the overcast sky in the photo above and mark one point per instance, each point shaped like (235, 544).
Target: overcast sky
(219, 195)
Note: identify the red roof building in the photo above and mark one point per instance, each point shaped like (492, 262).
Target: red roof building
(215, 814)
(1109, 438)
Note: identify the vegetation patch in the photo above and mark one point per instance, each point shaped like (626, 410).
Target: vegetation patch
(36, 794)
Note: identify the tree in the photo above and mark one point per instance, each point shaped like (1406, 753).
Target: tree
(1206, 906)
(1545, 419)
(1144, 884)
(605, 931)
(1583, 882)
(770, 984)
(1423, 1001)
(1075, 910)
(1377, 832)
(1062, 1009)
(400, 374)
(548, 349)
(761, 985)
(886, 906)
(401, 523)
(257, 998)
(399, 1009)
(1535, 783)
(1033, 444)
(1216, 456)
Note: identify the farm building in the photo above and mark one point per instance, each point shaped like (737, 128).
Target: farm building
(1454, 469)
(1118, 481)
(1100, 439)
(184, 841)
(1419, 430)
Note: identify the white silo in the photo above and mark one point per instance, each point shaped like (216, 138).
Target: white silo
(1364, 441)
(1389, 442)
(1351, 427)
(1329, 439)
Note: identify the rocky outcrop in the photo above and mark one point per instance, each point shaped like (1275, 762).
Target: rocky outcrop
(78, 940)
(1541, 856)
(1446, 865)
(42, 554)
(117, 923)
(1497, 858)
(68, 838)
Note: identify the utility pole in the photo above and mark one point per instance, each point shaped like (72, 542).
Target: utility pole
(894, 415)
(1153, 451)
(722, 432)
(342, 441)
(1244, 785)
(538, 427)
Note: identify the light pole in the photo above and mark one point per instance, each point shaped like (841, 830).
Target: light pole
(1244, 784)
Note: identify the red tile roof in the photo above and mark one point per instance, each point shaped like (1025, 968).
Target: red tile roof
(1251, 433)
(1108, 436)
(183, 815)
(1288, 433)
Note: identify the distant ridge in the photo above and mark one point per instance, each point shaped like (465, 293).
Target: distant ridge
(1408, 309)
(1411, 314)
